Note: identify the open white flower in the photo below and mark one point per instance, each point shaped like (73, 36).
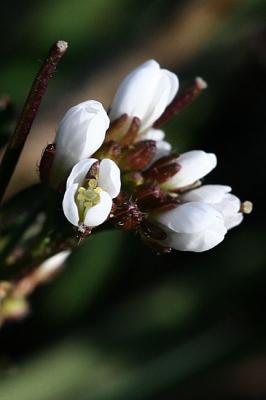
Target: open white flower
(88, 199)
(192, 226)
(145, 93)
(80, 134)
(195, 165)
(220, 198)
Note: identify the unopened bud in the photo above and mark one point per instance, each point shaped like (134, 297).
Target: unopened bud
(163, 169)
(138, 156)
(127, 216)
(46, 162)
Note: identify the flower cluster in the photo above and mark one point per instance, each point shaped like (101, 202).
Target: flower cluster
(134, 180)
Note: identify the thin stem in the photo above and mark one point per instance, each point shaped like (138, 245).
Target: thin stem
(184, 98)
(18, 232)
(28, 114)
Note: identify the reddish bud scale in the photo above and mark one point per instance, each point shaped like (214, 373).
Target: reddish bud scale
(163, 169)
(183, 99)
(93, 171)
(46, 162)
(127, 215)
(132, 132)
(152, 231)
(111, 150)
(116, 128)
(148, 196)
(138, 156)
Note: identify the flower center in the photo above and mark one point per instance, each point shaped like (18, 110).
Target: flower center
(87, 197)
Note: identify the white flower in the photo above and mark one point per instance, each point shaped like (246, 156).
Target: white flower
(145, 93)
(80, 134)
(192, 226)
(220, 198)
(88, 200)
(195, 165)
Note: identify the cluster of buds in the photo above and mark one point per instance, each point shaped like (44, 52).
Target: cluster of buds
(118, 167)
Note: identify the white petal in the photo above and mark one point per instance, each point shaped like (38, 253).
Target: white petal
(207, 193)
(79, 171)
(195, 165)
(189, 217)
(197, 242)
(233, 220)
(174, 84)
(69, 205)
(97, 214)
(165, 91)
(229, 205)
(145, 93)
(163, 149)
(151, 134)
(109, 177)
(136, 91)
(80, 133)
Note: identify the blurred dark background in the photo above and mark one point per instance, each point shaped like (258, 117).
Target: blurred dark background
(121, 322)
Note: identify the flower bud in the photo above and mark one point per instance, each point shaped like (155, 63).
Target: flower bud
(194, 165)
(144, 93)
(138, 155)
(191, 226)
(80, 133)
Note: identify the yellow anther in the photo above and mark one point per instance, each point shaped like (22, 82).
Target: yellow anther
(92, 183)
(87, 197)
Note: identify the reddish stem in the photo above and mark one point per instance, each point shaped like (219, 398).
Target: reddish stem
(28, 114)
(187, 96)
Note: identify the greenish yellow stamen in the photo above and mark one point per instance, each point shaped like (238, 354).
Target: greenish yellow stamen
(87, 197)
